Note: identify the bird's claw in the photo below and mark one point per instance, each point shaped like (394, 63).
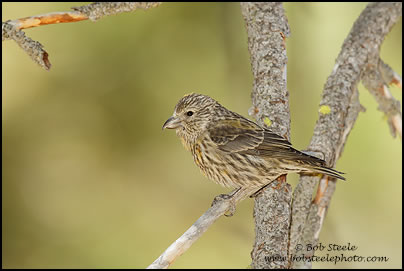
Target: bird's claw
(226, 197)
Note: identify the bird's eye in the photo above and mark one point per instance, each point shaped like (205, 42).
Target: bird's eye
(190, 113)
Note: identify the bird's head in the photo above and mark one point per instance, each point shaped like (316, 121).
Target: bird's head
(192, 115)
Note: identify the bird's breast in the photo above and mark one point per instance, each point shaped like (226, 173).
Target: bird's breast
(226, 169)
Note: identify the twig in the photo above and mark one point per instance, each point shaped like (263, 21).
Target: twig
(389, 75)
(48, 18)
(97, 10)
(183, 243)
(376, 78)
(341, 97)
(33, 48)
(267, 29)
(11, 29)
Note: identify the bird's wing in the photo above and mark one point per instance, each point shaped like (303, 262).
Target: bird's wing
(242, 135)
(245, 137)
(236, 135)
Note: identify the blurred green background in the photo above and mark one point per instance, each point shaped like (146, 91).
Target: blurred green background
(90, 179)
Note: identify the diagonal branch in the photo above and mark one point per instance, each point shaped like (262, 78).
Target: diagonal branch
(12, 29)
(340, 96)
(326, 187)
(182, 244)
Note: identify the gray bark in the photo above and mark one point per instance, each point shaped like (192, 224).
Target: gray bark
(359, 59)
(267, 28)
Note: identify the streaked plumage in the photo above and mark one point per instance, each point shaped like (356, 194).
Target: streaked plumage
(234, 151)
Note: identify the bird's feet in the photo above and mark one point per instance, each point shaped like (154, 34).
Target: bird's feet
(229, 198)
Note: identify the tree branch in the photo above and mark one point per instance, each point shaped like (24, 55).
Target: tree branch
(95, 11)
(267, 29)
(340, 96)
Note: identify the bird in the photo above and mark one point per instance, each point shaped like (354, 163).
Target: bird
(234, 151)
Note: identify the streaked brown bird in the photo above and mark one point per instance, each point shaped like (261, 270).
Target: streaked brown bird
(234, 151)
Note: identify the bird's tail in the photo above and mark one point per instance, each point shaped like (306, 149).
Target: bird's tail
(329, 171)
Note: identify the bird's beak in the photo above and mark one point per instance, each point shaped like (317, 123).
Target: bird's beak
(172, 123)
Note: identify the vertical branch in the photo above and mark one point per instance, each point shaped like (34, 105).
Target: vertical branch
(267, 28)
(340, 98)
